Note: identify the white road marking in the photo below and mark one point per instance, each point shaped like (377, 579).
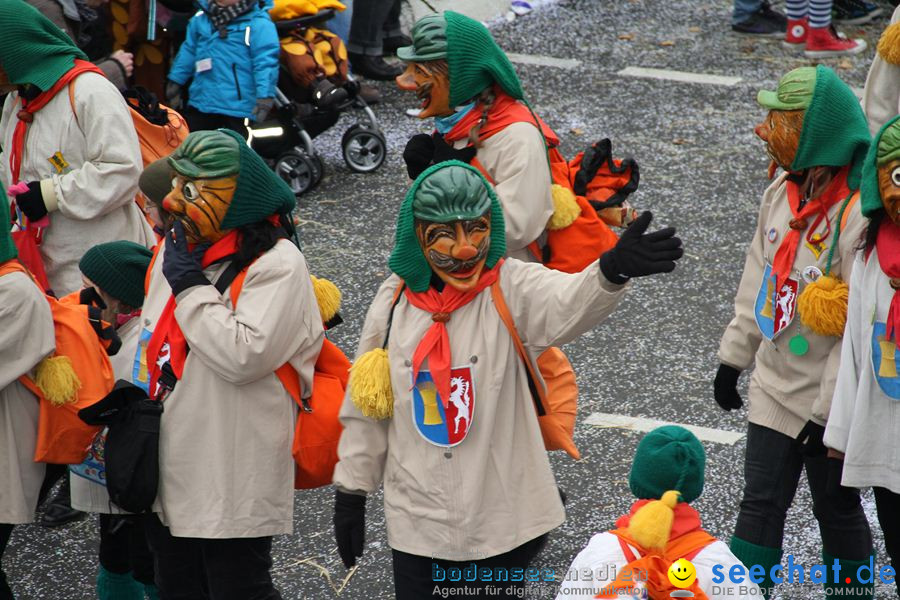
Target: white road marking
(718, 436)
(543, 61)
(682, 76)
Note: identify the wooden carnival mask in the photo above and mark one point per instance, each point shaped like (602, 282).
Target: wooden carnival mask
(200, 205)
(781, 132)
(456, 251)
(431, 83)
(889, 188)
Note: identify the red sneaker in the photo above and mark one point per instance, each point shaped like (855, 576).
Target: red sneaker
(795, 38)
(823, 42)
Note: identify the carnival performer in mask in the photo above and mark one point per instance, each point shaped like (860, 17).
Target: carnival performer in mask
(439, 407)
(798, 263)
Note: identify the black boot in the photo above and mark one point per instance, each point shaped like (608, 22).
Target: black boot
(390, 44)
(373, 67)
(59, 509)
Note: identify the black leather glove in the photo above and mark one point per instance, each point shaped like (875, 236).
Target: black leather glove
(637, 253)
(173, 95)
(182, 267)
(844, 499)
(349, 526)
(417, 154)
(32, 202)
(444, 151)
(725, 388)
(262, 109)
(811, 437)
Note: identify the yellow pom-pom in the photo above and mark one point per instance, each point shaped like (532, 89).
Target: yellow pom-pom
(565, 208)
(889, 44)
(370, 384)
(328, 297)
(57, 380)
(823, 306)
(652, 523)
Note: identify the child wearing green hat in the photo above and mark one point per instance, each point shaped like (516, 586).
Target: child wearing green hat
(668, 469)
(864, 424)
(790, 310)
(28, 337)
(113, 275)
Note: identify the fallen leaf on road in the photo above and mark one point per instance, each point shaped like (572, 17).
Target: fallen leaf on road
(694, 29)
(667, 43)
(845, 63)
(626, 36)
(576, 131)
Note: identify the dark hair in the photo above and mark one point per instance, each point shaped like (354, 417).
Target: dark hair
(867, 241)
(260, 237)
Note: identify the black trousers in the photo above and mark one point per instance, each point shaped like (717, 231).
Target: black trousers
(772, 469)
(371, 21)
(415, 577)
(210, 569)
(201, 121)
(5, 533)
(123, 546)
(888, 505)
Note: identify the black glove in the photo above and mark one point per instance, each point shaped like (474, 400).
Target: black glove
(725, 388)
(32, 202)
(842, 498)
(637, 253)
(349, 526)
(811, 437)
(182, 267)
(173, 95)
(417, 154)
(262, 109)
(444, 151)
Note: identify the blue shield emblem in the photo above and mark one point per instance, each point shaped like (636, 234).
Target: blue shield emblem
(775, 311)
(884, 361)
(140, 374)
(441, 426)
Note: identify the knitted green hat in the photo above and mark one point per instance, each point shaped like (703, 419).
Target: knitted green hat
(668, 458)
(259, 193)
(429, 37)
(118, 268)
(447, 191)
(32, 49)
(834, 132)
(794, 92)
(884, 148)
(7, 247)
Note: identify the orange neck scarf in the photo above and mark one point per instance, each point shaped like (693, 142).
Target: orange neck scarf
(505, 111)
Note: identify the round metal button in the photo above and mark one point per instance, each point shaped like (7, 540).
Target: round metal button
(448, 455)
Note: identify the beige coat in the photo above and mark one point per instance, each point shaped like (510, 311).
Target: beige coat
(27, 338)
(786, 390)
(92, 199)
(881, 96)
(516, 160)
(494, 490)
(226, 469)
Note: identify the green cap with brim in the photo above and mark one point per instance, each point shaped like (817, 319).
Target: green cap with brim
(794, 92)
(884, 148)
(429, 36)
(156, 181)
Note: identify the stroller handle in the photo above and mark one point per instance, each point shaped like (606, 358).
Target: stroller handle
(305, 21)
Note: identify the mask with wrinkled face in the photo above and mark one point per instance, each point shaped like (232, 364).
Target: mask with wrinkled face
(781, 131)
(431, 83)
(200, 205)
(456, 251)
(889, 188)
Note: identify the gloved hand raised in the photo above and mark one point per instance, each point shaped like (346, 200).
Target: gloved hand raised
(349, 526)
(725, 388)
(638, 253)
(182, 267)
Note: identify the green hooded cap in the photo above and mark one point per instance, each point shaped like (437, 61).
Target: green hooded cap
(7, 247)
(429, 37)
(32, 49)
(834, 132)
(885, 148)
(668, 458)
(212, 154)
(448, 191)
(118, 268)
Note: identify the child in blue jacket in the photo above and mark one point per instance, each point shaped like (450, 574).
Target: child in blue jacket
(231, 54)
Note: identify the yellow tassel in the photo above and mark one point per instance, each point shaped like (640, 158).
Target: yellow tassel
(328, 297)
(57, 380)
(652, 523)
(370, 384)
(823, 306)
(889, 44)
(565, 208)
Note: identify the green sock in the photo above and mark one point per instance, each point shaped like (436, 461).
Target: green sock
(854, 589)
(118, 586)
(151, 591)
(751, 554)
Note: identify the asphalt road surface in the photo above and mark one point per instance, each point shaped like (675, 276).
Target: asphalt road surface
(702, 170)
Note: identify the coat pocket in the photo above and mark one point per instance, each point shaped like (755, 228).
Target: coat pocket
(237, 84)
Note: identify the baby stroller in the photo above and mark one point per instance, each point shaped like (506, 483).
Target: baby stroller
(301, 113)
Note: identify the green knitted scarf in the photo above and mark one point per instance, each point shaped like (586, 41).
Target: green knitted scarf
(465, 194)
(7, 247)
(32, 49)
(885, 148)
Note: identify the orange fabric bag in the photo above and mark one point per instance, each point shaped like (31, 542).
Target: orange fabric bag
(556, 403)
(63, 438)
(318, 430)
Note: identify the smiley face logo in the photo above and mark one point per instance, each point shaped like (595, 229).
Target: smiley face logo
(682, 573)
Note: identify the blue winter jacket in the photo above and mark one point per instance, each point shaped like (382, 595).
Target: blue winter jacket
(229, 74)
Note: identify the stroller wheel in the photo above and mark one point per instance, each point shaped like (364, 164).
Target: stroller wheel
(364, 148)
(298, 171)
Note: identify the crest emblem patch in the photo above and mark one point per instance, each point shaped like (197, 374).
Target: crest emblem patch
(775, 311)
(884, 361)
(441, 426)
